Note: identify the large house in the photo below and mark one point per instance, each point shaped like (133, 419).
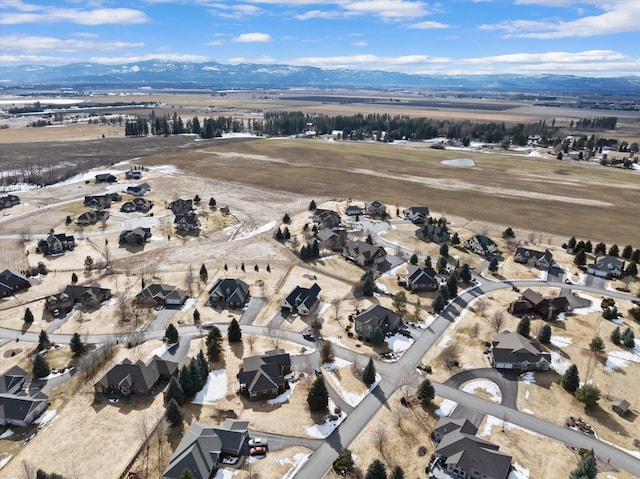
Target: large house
(135, 237)
(106, 178)
(98, 201)
(419, 278)
(514, 351)
(539, 259)
(445, 425)
(480, 244)
(230, 293)
(17, 406)
(186, 222)
(364, 254)
(136, 204)
(139, 190)
(433, 233)
(263, 377)
(8, 201)
(301, 300)
(606, 267)
(375, 208)
(133, 174)
(55, 244)
(531, 302)
(416, 214)
(203, 448)
(326, 218)
(90, 296)
(92, 217)
(332, 239)
(181, 206)
(376, 317)
(136, 378)
(161, 295)
(11, 282)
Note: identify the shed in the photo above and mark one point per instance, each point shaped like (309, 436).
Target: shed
(621, 406)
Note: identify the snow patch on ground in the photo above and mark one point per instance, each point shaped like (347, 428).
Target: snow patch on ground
(336, 364)
(528, 378)
(46, 417)
(256, 231)
(161, 350)
(444, 342)
(635, 454)
(621, 359)
(282, 398)
(109, 302)
(526, 394)
(398, 343)
(6, 434)
(518, 472)
(349, 397)
(297, 461)
(489, 386)
(4, 461)
(187, 304)
(214, 389)
(492, 421)
(446, 408)
(558, 364)
(561, 341)
(594, 308)
(528, 411)
(166, 169)
(323, 430)
(223, 473)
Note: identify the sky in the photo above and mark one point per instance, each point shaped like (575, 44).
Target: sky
(461, 37)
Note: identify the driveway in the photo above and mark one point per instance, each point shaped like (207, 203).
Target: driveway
(506, 380)
(162, 318)
(254, 307)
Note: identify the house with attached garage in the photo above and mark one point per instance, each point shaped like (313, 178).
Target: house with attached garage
(547, 308)
(376, 317)
(135, 237)
(332, 239)
(12, 282)
(92, 217)
(433, 233)
(480, 244)
(181, 206)
(416, 214)
(186, 222)
(55, 244)
(375, 208)
(419, 278)
(129, 378)
(326, 218)
(301, 300)
(161, 295)
(90, 296)
(364, 254)
(106, 178)
(445, 425)
(514, 351)
(229, 293)
(606, 267)
(264, 377)
(18, 407)
(139, 190)
(203, 449)
(137, 204)
(8, 201)
(133, 174)
(98, 201)
(539, 259)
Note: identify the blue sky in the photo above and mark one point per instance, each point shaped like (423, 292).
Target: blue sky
(588, 38)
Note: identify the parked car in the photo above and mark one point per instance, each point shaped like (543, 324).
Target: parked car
(208, 325)
(257, 441)
(258, 451)
(309, 337)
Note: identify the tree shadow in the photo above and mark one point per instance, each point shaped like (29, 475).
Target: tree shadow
(237, 348)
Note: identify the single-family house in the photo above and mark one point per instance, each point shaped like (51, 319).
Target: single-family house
(375, 208)
(115, 196)
(376, 317)
(133, 174)
(161, 295)
(181, 206)
(354, 210)
(12, 282)
(91, 296)
(264, 377)
(416, 214)
(136, 378)
(547, 308)
(229, 293)
(514, 351)
(419, 278)
(606, 267)
(92, 217)
(186, 222)
(17, 406)
(480, 244)
(98, 201)
(539, 259)
(135, 237)
(137, 204)
(106, 178)
(326, 218)
(445, 425)
(621, 406)
(56, 244)
(332, 239)
(203, 447)
(433, 233)
(138, 190)
(364, 254)
(8, 201)
(301, 300)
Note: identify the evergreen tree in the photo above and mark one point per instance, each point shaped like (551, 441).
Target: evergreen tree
(318, 396)
(493, 265)
(186, 474)
(368, 286)
(315, 249)
(571, 244)
(41, 367)
(438, 303)
(427, 262)
(632, 270)
(414, 259)
(74, 278)
(196, 316)
(212, 202)
(286, 219)
(174, 391)
(279, 235)
(186, 378)
(376, 470)
(544, 335)
(203, 365)
(171, 334)
(426, 392)
(616, 336)
(508, 234)
(377, 337)
(635, 256)
(234, 333)
(444, 250)
(397, 473)
(242, 267)
(369, 239)
(286, 233)
(524, 327)
(369, 373)
(589, 394)
(571, 379)
(628, 338)
(268, 268)
(601, 248)
(77, 346)
(597, 344)
(214, 344)
(255, 268)
(465, 273)
(173, 413)
(312, 205)
(455, 239)
(444, 292)
(587, 467)
(28, 316)
(68, 220)
(442, 265)
(588, 247)
(43, 340)
(204, 274)
(196, 199)
(452, 285)
(614, 250)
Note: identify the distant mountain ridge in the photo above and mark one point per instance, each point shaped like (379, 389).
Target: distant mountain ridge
(161, 73)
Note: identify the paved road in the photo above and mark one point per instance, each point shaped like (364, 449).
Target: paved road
(506, 380)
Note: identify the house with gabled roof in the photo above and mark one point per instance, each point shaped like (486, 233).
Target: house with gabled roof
(136, 378)
(136, 204)
(17, 406)
(376, 317)
(482, 245)
(12, 282)
(326, 218)
(98, 201)
(135, 237)
(263, 377)
(514, 351)
(606, 267)
(419, 278)
(186, 222)
(364, 254)
(230, 293)
(181, 206)
(133, 174)
(445, 425)
(161, 295)
(106, 178)
(92, 217)
(89, 296)
(539, 259)
(375, 208)
(55, 244)
(301, 300)
(548, 308)
(138, 190)
(433, 233)
(203, 447)
(332, 239)
(416, 214)
(9, 201)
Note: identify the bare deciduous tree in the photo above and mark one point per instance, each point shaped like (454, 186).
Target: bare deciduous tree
(145, 429)
(251, 340)
(380, 438)
(276, 336)
(399, 414)
(29, 470)
(497, 320)
(450, 355)
(481, 306)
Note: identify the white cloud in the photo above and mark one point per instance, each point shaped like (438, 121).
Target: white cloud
(327, 15)
(429, 25)
(215, 43)
(236, 11)
(388, 9)
(100, 16)
(360, 44)
(551, 57)
(33, 44)
(253, 38)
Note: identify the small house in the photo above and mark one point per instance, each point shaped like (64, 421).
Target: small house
(621, 406)
(139, 190)
(161, 295)
(326, 218)
(181, 206)
(8, 201)
(98, 201)
(133, 174)
(92, 217)
(106, 178)
(186, 222)
(135, 237)
(375, 208)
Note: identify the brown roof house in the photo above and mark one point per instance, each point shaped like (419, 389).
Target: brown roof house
(161, 295)
(539, 259)
(91, 296)
(376, 317)
(301, 300)
(203, 447)
(364, 254)
(136, 378)
(17, 406)
(514, 351)
(531, 302)
(11, 282)
(264, 377)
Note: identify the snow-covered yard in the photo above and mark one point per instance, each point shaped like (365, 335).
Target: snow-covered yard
(446, 408)
(489, 386)
(214, 389)
(323, 430)
(297, 462)
(398, 343)
(561, 341)
(284, 397)
(518, 472)
(491, 421)
(558, 364)
(45, 417)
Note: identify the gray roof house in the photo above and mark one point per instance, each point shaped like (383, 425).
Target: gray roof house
(263, 377)
(332, 238)
(326, 218)
(419, 278)
(433, 233)
(106, 178)
(375, 208)
(203, 447)
(416, 214)
(137, 236)
(376, 317)
(481, 245)
(364, 254)
(98, 201)
(605, 267)
(181, 206)
(232, 293)
(621, 406)
(11, 282)
(92, 217)
(135, 378)
(186, 222)
(9, 201)
(17, 406)
(139, 190)
(133, 175)
(539, 259)
(514, 351)
(301, 300)
(91, 296)
(56, 244)
(353, 210)
(445, 425)
(136, 204)
(161, 295)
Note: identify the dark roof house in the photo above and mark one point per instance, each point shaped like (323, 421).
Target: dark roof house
(133, 174)
(539, 259)
(353, 210)
(8, 201)
(434, 233)
(90, 296)
(606, 267)
(92, 217)
(419, 278)
(376, 317)
(98, 201)
(263, 377)
(531, 302)
(232, 293)
(445, 425)
(161, 295)
(301, 300)
(137, 236)
(326, 218)
(416, 214)
(139, 190)
(181, 206)
(364, 254)
(11, 282)
(186, 222)
(17, 406)
(514, 351)
(375, 208)
(481, 245)
(106, 178)
(56, 244)
(136, 378)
